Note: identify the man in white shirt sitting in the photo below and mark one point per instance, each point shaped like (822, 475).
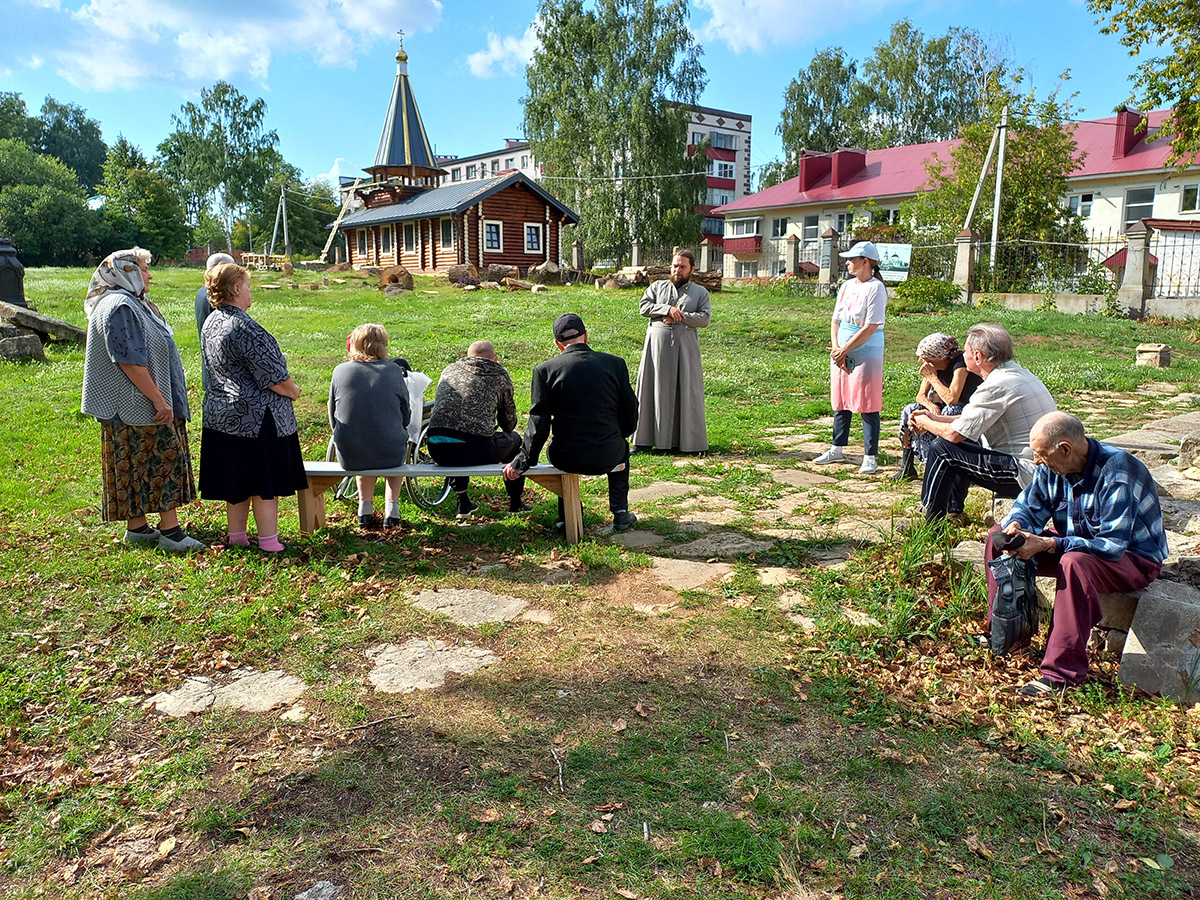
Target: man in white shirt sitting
(987, 444)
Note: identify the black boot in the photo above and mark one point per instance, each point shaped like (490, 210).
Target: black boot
(908, 467)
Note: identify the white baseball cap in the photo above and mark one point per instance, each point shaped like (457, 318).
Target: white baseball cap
(862, 248)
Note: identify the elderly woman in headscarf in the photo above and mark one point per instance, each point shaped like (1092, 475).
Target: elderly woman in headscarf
(946, 386)
(133, 384)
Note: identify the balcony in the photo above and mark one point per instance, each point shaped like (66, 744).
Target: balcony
(747, 245)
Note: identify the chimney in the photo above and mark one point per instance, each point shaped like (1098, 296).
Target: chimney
(847, 162)
(1127, 135)
(811, 169)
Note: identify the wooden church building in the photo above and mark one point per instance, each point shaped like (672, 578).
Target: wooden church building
(411, 218)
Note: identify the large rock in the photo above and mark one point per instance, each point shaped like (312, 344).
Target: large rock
(248, 691)
(23, 346)
(1162, 651)
(470, 606)
(396, 290)
(396, 275)
(44, 326)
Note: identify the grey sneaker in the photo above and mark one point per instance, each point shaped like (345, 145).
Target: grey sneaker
(832, 455)
(185, 543)
(137, 537)
(623, 520)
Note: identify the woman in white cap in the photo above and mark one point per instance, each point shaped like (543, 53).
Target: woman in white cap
(856, 355)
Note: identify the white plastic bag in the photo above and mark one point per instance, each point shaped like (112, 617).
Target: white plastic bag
(417, 382)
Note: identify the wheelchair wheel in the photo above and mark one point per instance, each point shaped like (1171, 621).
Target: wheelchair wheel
(425, 492)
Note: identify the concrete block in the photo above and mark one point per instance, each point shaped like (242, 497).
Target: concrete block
(1162, 652)
(1157, 355)
(1118, 611)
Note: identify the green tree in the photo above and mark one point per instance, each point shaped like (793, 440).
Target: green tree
(67, 134)
(915, 90)
(1169, 79)
(816, 107)
(606, 115)
(1040, 154)
(42, 207)
(140, 204)
(310, 208)
(219, 153)
(14, 118)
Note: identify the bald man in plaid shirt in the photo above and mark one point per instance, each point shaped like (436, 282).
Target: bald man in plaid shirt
(1106, 534)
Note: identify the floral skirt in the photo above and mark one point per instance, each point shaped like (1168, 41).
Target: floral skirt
(145, 469)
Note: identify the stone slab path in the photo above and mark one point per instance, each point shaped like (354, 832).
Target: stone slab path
(470, 606)
(248, 691)
(419, 665)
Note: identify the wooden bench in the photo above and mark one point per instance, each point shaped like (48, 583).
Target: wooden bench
(324, 475)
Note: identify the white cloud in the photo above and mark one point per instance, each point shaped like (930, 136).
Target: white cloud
(757, 25)
(121, 44)
(510, 53)
(335, 171)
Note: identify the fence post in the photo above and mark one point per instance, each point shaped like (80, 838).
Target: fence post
(577, 255)
(828, 265)
(965, 247)
(705, 255)
(793, 255)
(1137, 283)
(635, 253)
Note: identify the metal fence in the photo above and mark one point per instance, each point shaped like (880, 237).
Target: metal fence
(1175, 263)
(933, 261)
(1046, 267)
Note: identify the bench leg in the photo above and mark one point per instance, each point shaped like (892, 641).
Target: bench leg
(573, 512)
(311, 503)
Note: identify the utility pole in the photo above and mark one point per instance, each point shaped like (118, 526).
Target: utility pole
(275, 231)
(287, 242)
(999, 180)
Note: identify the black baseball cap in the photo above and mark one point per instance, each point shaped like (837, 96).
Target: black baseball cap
(568, 326)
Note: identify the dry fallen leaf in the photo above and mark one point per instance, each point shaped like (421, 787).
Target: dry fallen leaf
(642, 709)
(598, 827)
(1124, 803)
(166, 846)
(619, 725)
(976, 846)
(488, 815)
(588, 860)
(628, 895)
(857, 850)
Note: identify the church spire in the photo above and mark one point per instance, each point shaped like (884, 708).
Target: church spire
(404, 149)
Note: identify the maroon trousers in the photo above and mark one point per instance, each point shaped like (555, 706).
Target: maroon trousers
(1080, 580)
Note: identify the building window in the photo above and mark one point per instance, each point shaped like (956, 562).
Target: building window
(723, 141)
(719, 196)
(456, 174)
(1139, 204)
(447, 232)
(779, 228)
(745, 269)
(697, 137)
(779, 267)
(362, 242)
(1189, 198)
(1080, 205)
(713, 225)
(533, 237)
(720, 169)
(811, 231)
(385, 239)
(524, 161)
(495, 166)
(410, 236)
(844, 222)
(508, 163)
(743, 227)
(472, 172)
(493, 237)
(885, 217)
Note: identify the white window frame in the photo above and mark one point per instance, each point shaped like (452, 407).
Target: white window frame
(508, 163)
(539, 249)
(385, 239)
(741, 227)
(471, 170)
(719, 168)
(410, 237)
(1081, 204)
(524, 161)
(844, 222)
(1126, 218)
(361, 234)
(442, 233)
(1183, 198)
(745, 268)
(500, 230)
(810, 231)
(697, 137)
(495, 166)
(779, 227)
(456, 173)
(719, 196)
(723, 141)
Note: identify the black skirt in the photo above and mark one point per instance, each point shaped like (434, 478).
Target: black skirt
(234, 469)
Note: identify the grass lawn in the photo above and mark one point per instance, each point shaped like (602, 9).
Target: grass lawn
(631, 741)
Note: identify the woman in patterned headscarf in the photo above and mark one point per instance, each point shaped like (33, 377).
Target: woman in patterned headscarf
(133, 384)
(946, 386)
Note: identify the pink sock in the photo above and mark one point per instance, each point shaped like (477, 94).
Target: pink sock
(238, 539)
(270, 543)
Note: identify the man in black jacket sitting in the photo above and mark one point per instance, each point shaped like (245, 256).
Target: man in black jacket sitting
(584, 398)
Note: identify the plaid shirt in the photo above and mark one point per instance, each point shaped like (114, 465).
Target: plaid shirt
(1109, 509)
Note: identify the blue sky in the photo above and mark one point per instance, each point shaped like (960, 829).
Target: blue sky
(325, 67)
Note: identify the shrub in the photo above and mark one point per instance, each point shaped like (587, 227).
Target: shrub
(918, 294)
